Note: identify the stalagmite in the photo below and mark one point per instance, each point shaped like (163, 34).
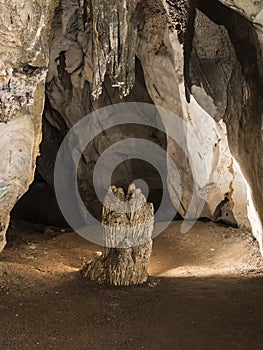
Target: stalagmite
(128, 239)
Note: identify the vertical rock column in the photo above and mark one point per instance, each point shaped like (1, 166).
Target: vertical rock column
(24, 28)
(128, 239)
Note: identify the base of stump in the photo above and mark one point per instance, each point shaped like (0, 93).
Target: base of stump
(120, 266)
(127, 222)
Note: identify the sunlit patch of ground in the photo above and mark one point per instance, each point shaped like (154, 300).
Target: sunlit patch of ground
(206, 250)
(204, 292)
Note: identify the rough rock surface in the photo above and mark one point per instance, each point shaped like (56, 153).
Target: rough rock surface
(201, 60)
(69, 91)
(232, 59)
(24, 26)
(162, 59)
(247, 8)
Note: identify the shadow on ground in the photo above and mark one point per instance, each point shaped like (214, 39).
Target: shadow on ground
(45, 304)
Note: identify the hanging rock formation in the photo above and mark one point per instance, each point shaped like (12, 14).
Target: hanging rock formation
(201, 60)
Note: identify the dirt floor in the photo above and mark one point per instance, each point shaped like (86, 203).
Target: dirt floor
(205, 291)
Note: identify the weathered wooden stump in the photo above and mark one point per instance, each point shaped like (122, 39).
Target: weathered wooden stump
(127, 233)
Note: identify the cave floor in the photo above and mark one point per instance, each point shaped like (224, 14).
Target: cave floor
(204, 292)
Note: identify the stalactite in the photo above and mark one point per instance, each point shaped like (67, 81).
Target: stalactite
(114, 36)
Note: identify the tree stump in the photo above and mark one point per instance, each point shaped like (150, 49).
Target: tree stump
(127, 222)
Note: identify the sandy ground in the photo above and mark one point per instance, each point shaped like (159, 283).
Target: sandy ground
(205, 291)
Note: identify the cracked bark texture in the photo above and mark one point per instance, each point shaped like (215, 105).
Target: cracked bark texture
(127, 221)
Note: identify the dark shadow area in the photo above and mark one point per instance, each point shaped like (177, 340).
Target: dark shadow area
(182, 313)
(39, 205)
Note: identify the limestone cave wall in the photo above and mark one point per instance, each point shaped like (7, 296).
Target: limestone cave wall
(201, 60)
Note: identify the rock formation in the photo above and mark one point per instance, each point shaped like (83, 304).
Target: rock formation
(201, 60)
(127, 222)
(25, 26)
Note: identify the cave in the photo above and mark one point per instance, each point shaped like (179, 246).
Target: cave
(159, 99)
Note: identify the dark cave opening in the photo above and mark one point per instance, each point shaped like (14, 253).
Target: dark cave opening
(39, 205)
